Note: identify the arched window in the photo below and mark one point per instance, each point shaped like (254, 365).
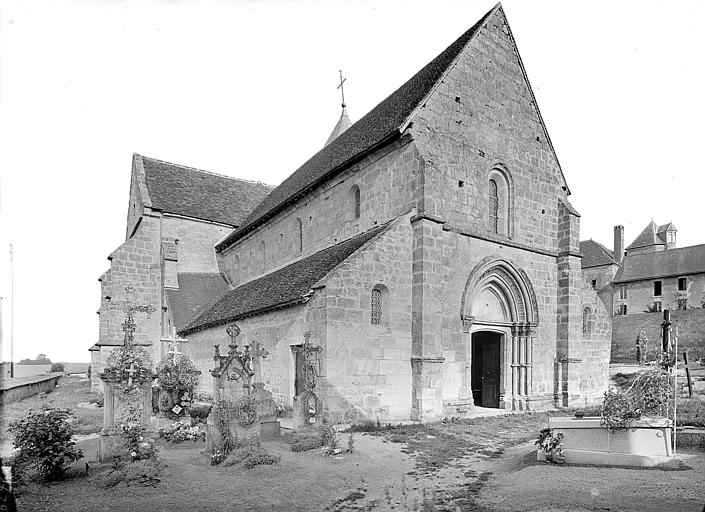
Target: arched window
(499, 201)
(587, 321)
(494, 207)
(355, 201)
(299, 235)
(379, 311)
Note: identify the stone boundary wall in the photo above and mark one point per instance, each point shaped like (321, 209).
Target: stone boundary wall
(22, 387)
(625, 328)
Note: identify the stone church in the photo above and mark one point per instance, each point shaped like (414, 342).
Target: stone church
(429, 248)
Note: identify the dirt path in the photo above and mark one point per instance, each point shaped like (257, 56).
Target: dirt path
(519, 479)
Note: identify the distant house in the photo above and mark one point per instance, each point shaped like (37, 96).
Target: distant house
(650, 275)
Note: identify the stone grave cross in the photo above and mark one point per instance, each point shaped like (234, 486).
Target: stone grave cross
(173, 341)
(130, 374)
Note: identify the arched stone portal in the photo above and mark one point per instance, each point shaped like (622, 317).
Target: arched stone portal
(499, 315)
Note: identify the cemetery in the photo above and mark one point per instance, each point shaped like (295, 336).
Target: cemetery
(163, 441)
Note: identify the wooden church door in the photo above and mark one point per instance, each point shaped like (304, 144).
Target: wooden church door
(490, 374)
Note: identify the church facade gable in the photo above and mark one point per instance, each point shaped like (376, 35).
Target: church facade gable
(482, 136)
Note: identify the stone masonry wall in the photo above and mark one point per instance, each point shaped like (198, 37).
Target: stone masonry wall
(388, 181)
(135, 262)
(366, 370)
(603, 276)
(196, 242)
(593, 349)
(480, 117)
(640, 294)
(691, 334)
(277, 331)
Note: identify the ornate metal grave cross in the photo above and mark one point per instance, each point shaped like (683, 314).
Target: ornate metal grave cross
(127, 307)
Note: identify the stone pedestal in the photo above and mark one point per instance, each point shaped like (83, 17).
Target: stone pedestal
(117, 407)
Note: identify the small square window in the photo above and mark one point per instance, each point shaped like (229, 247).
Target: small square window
(622, 309)
(658, 307)
(657, 289)
(682, 284)
(623, 292)
(594, 282)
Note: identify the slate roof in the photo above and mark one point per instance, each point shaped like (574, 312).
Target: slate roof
(341, 126)
(673, 262)
(377, 127)
(201, 194)
(595, 254)
(289, 285)
(648, 237)
(195, 291)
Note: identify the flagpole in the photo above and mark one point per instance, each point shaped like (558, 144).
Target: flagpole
(12, 316)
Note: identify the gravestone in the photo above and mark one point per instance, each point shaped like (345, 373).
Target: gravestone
(308, 406)
(126, 383)
(239, 393)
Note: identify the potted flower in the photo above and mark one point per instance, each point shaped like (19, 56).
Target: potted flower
(552, 445)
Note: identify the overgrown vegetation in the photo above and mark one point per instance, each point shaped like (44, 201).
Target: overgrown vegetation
(305, 442)
(250, 456)
(67, 395)
(691, 412)
(57, 367)
(144, 473)
(44, 443)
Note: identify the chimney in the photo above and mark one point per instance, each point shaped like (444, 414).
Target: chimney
(618, 243)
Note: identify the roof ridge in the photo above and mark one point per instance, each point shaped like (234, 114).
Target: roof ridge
(204, 171)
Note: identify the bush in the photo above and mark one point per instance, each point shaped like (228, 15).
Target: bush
(132, 432)
(144, 473)
(306, 442)
(57, 367)
(250, 456)
(43, 440)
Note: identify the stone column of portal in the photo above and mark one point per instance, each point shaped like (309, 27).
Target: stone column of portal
(531, 334)
(515, 365)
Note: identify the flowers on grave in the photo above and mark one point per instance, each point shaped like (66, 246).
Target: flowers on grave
(177, 379)
(128, 365)
(551, 444)
(132, 432)
(179, 432)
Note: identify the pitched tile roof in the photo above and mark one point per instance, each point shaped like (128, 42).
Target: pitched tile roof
(195, 291)
(595, 254)
(673, 262)
(201, 194)
(288, 285)
(647, 237)
(378, 126)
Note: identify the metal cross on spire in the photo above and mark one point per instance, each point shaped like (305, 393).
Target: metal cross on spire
(342, 89)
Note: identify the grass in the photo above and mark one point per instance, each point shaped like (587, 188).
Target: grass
(690, 411)
(69, 392)
(437, 445)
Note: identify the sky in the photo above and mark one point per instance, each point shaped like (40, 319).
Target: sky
(248, 89)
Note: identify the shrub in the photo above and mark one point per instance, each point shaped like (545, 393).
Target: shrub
(306, 442)
(250, 456)
(57, 367)
(132, 432)
(43, 440)
(200, 411)
(145, 473)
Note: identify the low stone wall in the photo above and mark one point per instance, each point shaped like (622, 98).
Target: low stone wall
(22, 387)
(625, 328)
